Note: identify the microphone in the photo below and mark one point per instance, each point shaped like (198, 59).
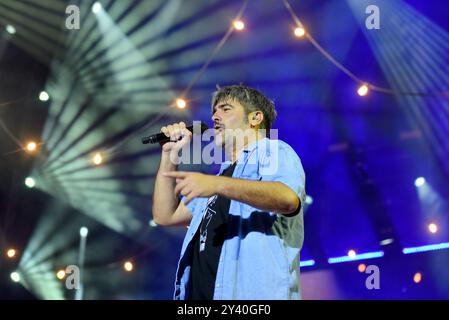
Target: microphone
(162, 138)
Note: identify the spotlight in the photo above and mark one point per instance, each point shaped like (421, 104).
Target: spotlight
(433, 228)
(60, 274)
(309, 200)
(15, 276)
(97, 159)
(29, 182)
(83, 232)
(417, 277)
(361, 267)
(10, 29)
(351, 254)
(43, 96)
(97, 7)
(419, 182)
(31, 146)
(300, 32)
(386, 242)
(363, 90)
(11, 253)
(128, 266)
(181, 103)
(238, 25)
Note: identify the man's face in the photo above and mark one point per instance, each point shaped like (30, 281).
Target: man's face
(228, 116)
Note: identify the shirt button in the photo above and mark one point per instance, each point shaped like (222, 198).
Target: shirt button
(217, 285)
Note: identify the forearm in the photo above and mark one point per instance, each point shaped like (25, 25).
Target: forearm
(165, 201)
(265, 195)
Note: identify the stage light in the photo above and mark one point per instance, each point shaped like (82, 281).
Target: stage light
(97, 159)
(29, 182)
(351, 254)
(60, 274)
(386, 242)
(309, 200)
(83, 232)
(43, 96)
(433, 228)
(128, 266)
(97, 7)
(11, 253)
(361, 267)
(307, 263)
(15, 276)
(152, 223)
(238, 25)
(300, 32)
(363, 90)
(360, 256)
(181, 103)
(10, 29)
(419, 182)
(31, 146)
(417, 277)
(430, 247)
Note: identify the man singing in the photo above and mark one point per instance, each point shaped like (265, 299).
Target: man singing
(246, 223)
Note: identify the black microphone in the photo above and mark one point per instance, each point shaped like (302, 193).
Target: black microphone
(162, 138)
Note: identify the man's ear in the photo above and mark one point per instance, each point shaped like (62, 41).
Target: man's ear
(255, 119)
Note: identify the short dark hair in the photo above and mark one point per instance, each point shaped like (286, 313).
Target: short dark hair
(251, 100)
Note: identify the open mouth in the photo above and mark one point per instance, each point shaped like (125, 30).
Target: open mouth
(218, 128)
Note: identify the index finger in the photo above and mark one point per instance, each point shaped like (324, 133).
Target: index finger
(175, 174)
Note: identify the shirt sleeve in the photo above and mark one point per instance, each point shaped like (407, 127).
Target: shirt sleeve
(280, 163)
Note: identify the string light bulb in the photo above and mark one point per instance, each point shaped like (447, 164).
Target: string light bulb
(299, 32)
(351, 254)
(417, 277)
(128, 266)
(97, 159)
(363, 90)
(60, 274)
(238, 25)
(181, 103)
(31, 146)
(11, 253)
(433, 228)
(361, 267)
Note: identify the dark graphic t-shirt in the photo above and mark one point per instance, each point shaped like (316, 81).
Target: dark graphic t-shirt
(207, 244)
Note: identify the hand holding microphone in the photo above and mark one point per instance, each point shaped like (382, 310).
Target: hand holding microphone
(174, 132)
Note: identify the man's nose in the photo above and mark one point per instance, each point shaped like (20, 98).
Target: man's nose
(215, 117)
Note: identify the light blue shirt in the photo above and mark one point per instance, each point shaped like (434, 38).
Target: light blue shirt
(260, 255)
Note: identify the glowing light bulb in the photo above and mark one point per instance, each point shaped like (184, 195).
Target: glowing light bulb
(60, 274)
(351, 254)
(238, 25)
(299, 32)
(181, 103)
(43, 96)
(361, 267)
(417, 277)
(11, 253)
(97, 159)
(433, 228)
(363, 90)
(128, 266)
